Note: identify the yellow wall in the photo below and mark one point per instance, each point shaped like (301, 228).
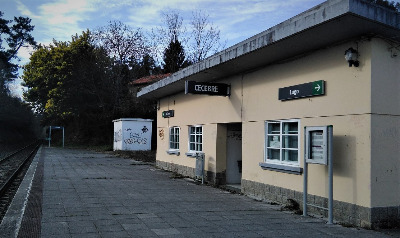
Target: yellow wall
(199, 110)
(346, 105)
(385, 177)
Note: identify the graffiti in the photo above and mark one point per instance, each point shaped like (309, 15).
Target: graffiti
(140, 141)
(117, 135)
(135, 138)
(133, 135)
(161, 134)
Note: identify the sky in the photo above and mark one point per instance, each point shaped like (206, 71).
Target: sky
(237, 20)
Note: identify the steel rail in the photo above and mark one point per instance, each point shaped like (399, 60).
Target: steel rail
(10, 179)
(17, 151)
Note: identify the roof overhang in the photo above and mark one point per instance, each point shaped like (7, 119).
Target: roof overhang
(329, 23)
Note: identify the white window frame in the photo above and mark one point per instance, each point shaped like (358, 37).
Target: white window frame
(174, 138)
(196, 141)
(277, 143)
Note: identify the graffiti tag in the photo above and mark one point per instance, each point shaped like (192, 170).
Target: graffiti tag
(118, 135)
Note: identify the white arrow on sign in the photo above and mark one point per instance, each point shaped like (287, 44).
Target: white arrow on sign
(318, 87)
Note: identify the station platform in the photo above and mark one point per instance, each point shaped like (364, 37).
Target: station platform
(78, 193)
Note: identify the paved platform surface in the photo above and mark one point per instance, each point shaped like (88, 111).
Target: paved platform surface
(87, 194)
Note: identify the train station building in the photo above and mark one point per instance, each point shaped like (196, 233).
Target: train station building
(246, 107)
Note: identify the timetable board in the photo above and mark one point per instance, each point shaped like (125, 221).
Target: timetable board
(317, 140)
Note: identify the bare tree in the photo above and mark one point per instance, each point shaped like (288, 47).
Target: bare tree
(122, 42)
(172, 30)
(205, 38)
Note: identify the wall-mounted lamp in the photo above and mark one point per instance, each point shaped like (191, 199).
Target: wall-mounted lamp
(351, 56)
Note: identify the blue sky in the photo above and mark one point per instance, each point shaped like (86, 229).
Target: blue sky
(237, 20)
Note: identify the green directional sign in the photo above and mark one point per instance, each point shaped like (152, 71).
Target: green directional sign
(310, 89)
(168, 114)
(318, 87)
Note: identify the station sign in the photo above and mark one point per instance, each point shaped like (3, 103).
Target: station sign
(311, 89)
(213, 89)
(168, 114)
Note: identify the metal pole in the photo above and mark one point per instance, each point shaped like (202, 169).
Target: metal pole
(63, 137)
(305, 178)
(49, 136)
(305, 170)
(202, 168)
(330, 174)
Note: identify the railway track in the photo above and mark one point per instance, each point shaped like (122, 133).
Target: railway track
(12, 170)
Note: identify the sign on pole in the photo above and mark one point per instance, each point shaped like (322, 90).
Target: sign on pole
(56, 128)
(318, 150)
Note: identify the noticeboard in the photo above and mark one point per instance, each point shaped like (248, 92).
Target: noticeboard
(317, 141)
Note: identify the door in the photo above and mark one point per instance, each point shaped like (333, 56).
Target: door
(234, 154)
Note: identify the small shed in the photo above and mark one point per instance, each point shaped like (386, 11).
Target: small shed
(132, 134)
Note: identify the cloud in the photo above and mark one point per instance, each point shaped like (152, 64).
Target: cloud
(235, 18)
(57, 19)
(24, 10)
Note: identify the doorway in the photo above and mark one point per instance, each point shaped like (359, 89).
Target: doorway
(234, 154)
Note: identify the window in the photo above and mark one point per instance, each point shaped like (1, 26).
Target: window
(195, 138)
(282, 142)
(174, 138)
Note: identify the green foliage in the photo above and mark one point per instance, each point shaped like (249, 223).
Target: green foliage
(147, 66)
(14, 36)
(17, 122)
(174, 57)
(79, 86)
(388, 4)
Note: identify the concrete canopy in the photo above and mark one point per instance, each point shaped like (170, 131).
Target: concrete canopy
(327, 24)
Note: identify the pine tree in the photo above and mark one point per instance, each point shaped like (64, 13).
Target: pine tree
(174, 57)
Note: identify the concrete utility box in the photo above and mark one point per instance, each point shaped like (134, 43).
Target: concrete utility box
(132, 134)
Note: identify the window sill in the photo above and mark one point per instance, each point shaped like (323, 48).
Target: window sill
(173, 152)
(282, 168)
(193, 154)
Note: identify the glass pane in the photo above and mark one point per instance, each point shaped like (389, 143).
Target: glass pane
(192, 130)
(192, 138)
(274, 141)
(274, 128)
(273, 154)
(290, 155)
(290, 128)
(199, 139)
(290, 142)
(199, 130)
(192, 146)
(199, 147)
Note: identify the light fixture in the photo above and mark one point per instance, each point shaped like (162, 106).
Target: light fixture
(351, 56)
